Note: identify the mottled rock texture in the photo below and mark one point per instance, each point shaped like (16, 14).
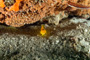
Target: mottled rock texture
(31, 11)
(70, 40)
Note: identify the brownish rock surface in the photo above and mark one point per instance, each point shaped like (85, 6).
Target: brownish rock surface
(31, 11)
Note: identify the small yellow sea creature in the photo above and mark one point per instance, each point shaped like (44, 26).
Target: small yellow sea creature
(42, 31)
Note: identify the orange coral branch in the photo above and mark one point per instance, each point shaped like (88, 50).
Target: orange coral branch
(2, 4)
(78, 5)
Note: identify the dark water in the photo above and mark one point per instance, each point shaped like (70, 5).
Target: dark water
(34, 30)
(31, 30)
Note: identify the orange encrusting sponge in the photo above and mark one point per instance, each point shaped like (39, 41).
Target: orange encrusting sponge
(77, 5)
(15, 7)
(2, 4)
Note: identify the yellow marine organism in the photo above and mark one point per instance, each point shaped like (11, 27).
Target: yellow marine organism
(42, 31)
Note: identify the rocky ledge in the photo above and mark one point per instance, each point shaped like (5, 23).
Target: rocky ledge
(20, 12)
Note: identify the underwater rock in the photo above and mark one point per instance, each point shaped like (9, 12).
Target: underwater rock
(20, 12)
(70, 40)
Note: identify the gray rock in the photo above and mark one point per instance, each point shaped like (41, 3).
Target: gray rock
(67, 41)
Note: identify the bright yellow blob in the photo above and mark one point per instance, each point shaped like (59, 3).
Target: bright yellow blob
(42, 31)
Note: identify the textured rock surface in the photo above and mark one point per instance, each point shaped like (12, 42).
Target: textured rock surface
(67, 41)
(31, 11)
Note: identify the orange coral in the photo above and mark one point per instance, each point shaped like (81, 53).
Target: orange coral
(2, 4)
(78, 5)
(15, 7)
(34, 11)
